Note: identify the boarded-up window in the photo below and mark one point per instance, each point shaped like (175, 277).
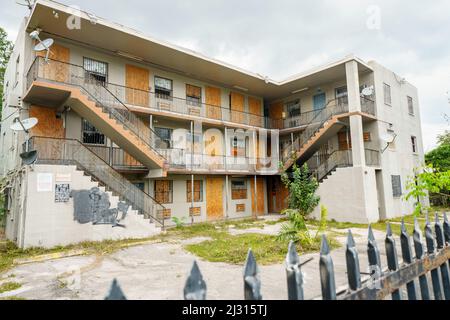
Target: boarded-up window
(195, 212)
(344, 140)
(396, 186)
(193, 95)
(198, 191)
(164, 191)
(164, 214)
(240, 207)
(238, 189)
(367, 137)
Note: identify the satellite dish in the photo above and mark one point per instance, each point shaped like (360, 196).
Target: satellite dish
(29, 157)
(388, 138)
(367, 92)
(24, 125)
(43, 45)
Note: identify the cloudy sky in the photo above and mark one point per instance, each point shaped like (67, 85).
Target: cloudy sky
(279, 38)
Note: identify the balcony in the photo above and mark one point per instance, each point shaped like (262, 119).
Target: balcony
(182, 161)
(310, 117)
(165, 105)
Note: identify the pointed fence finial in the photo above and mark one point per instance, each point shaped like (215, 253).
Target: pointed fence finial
(195, 287)
(435, 279)
(373, 253)
(405, 243)
(438, 231)
(252, 283)
(418, 246)
(115, 292)
(446, 228)
(326, 267)
(352, 260)
(440, 241)
(392, 258)
(294, 274)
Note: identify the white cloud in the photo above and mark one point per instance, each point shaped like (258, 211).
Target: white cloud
(284, 37)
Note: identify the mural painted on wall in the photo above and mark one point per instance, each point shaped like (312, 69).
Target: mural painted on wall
(94, 206)
(62, 192)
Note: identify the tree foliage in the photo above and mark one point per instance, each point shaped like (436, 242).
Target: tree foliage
(5, 53)
(302, 189)
(428, 180)
(439, 158)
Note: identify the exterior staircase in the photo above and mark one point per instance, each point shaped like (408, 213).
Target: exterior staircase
(73, 86)
(73, 152)
(323, 126)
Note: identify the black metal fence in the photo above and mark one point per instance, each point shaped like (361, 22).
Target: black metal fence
(431, 260)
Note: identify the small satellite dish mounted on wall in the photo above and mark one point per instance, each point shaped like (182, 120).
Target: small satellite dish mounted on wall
(367, 92)
(29, 156)
(43, 45)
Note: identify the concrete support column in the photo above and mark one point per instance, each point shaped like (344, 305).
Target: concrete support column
(352, 75)
(356, 134)
(354, 102)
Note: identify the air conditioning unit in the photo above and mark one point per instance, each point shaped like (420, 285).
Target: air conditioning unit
(14, 101)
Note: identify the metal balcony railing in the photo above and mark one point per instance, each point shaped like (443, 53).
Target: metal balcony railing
(73, 152)
(322, 165)
(116, 157)
(333, 108)
(148, 99)
(70, 74)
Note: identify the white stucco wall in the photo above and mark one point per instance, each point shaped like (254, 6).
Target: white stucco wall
(46, 223)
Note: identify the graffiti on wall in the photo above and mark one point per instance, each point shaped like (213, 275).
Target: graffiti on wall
(94, 206)
(62, 192)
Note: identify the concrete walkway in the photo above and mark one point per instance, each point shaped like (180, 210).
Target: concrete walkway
(159, 270)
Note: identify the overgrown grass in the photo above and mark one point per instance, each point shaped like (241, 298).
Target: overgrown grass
(9, 286)
(233, 249)
(381, 226)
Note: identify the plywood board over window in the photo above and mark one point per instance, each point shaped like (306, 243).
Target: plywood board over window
(214, 198)
(237, 105)
(163, 191)
(48, 124)
(344, 140)
(276, 115)
(137, 81)
(213, 103)
(255, 110)
(58, 68)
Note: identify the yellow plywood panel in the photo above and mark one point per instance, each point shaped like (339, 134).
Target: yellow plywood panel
(58, 67)
(48, 125)
(214, 198)
(276, 115)
(213, 103)
(255, 110)
(137, 81)
(237, 106)
(259, 202)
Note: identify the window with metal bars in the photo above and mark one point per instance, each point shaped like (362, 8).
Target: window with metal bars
(387, 94)
(410, 105)
(91, 135)
(97, 70)
(163, 88)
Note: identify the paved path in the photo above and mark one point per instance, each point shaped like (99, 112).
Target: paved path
(158, 271)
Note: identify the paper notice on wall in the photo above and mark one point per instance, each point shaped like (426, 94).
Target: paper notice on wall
(44, 182)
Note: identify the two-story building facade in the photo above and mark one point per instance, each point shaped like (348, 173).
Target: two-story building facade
(134, 132)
